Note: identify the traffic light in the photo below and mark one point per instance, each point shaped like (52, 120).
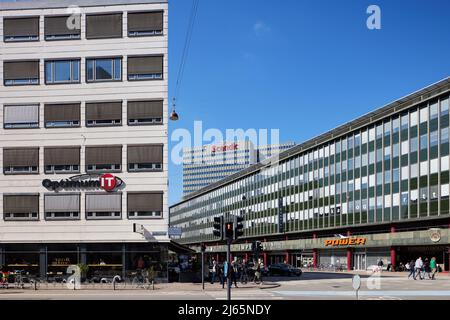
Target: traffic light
(203, 247)
(238, 227)
(229, 230)
(257, 246)
(218, 227)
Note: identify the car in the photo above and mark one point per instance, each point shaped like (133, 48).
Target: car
(284, 269)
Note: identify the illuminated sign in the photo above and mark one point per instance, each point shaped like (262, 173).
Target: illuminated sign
(230, 147)
(345, 242)
(107, 182)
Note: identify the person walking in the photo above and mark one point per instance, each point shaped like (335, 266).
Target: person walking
(426, 269)
(412, 270)
(433, 267)
(418, 268)
(214, 271)
(226, 273)
(244, 272)
(234, 272)
(221, 275)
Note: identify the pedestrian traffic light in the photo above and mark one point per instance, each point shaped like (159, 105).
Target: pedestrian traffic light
(229, 230)
(203, 247)
(218, 227)
(238, 227)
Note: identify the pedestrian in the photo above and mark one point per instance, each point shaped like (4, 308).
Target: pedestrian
(433, 267)
(244, 272)
(214, 271)
(418, 268)
(221, 275)
(226, 274)
(380, 265)
(411, 269)
(234, 273)
(426, 269)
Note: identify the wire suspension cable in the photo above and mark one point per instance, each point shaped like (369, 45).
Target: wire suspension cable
(185, 53)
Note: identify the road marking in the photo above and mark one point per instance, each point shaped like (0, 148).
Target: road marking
(375, 293)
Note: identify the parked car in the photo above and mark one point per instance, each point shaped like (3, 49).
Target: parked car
(283, 269)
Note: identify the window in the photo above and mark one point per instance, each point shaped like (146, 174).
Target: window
(142, 24)
(145, 112)
(20, 73)
(20, 160)
(101, 26)
(62, 115)
(103, 114)
(145, 158)
(104, 158)
(62, 71)
(20, 207)
(104, 69)
(103, 206)
(22, 117)
(62, 207)
(57, 28)
(62, 159)
(145, 68)
(21, 29)
(145, 205)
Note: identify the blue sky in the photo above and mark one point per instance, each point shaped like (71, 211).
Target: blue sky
(303, 67)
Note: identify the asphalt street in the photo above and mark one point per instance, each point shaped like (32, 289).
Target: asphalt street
(311, 286)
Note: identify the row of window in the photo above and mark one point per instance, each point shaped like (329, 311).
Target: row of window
(147, 112)
(64, 160)
(67, 71)
(98, 26)
(98, 206)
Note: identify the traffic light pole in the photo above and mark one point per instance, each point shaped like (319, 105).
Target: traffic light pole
(229, 269)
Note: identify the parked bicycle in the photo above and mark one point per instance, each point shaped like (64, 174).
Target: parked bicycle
(141, 280)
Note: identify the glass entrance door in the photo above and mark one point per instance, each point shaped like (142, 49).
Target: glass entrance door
(359, 261)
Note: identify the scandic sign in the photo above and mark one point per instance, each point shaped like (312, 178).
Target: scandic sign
(107, 182)
(231, 147)
(346, 242)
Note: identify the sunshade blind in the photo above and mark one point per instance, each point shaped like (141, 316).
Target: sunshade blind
(62, 203)
(21, 114)
(145, 202)
(145, 109)
(21, 157)
(104, 155)
(104, 202)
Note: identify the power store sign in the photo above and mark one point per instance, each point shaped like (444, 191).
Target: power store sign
(107, 182)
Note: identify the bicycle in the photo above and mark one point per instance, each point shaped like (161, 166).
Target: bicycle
(18, 280)
(141, 281)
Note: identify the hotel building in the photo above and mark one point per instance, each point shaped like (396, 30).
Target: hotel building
(208, 164)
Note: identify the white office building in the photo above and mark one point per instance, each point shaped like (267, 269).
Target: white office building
(83, 136)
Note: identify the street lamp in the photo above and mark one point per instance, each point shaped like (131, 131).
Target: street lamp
(174, 115)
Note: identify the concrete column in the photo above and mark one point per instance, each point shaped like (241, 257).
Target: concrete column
(349, 259)
(393, 257)
(43, 262)
(2, 256)
(83, 255)
(124, 261)
(315, 258)
(287, 257)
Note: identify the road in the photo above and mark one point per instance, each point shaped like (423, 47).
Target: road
(311, 286)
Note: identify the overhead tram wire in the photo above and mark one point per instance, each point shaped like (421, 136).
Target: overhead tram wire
(184, 56)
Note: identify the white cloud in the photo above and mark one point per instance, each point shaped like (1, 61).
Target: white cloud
(260, 27)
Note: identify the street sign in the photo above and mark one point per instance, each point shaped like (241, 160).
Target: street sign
(356, 282)
(175, 232)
